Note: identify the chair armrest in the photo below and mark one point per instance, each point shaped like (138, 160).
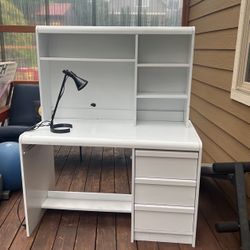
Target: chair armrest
(4, 113)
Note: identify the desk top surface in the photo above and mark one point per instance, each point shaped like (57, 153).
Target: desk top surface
(147, 135)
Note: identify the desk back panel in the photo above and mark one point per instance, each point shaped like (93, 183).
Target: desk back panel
(110, 87)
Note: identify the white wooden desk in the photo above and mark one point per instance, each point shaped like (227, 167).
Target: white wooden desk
(165, 172)
(140, 78)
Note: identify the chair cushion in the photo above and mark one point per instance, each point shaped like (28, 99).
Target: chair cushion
(23, 108)
(11, 133)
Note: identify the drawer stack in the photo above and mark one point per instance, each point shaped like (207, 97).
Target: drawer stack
(165, 195)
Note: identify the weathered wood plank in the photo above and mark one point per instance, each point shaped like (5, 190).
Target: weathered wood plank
(10, 226)
(219, 59)
(205, 238)
(168, 246)
(80, 173)
(225, 19)
(106, 235)
(21, 242)
(7, 205)
(206, 158)
(108, 171)
(147, 245)
(66, 176)
(105, 238)
(221, 78)
(233, 147)
(210, 6)
(223, 39)
(86, 232)
(212, 148)
(121, 176)
(128, 155)
(194, 2)
(224, 120)
(65, 237)
(221, 99)
(123, 233)
(47, 230)
(87, 226)
(60, 160)
(94, 172)
(215, 208)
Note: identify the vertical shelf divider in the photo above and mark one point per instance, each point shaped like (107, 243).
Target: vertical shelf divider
(186, 113)
(136, 78)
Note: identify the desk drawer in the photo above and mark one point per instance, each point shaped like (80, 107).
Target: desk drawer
(164, 220)
(165, 192)
(166, 164)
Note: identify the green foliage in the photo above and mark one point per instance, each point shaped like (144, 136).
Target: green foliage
(10, 13)
(18, 46)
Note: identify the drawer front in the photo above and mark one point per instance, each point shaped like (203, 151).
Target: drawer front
(162, 237)
(164, 222)
(166, 164)
(165, 195)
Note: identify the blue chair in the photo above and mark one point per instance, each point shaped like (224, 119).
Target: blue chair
(21, 111)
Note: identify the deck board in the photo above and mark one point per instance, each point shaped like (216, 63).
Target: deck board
(105, 170)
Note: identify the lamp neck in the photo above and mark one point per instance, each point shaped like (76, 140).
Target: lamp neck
(58, 99)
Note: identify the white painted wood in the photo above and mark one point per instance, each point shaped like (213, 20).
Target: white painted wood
(157, 164)
(165, 209)
(114, 29)
(90, 46)
(144, 95)
(163, 237)
(189, 80)
(169, 81)
(197, 193)
(111, 133)
(102, 84)
(166, 182)
(164, 222)
(135, 79)
(240, 90)
(37, 165)
(163, 65)
(152, 115)
(82, 201)
(164, 48)
(74, 59)
(164, 194)
(170, 154)
(139, 79)
(157, 109)
(133, 197)
(101, 56)
(89, 196)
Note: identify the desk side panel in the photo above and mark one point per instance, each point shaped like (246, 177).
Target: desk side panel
(38, 176)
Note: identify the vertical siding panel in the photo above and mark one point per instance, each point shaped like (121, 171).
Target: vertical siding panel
(216, 25)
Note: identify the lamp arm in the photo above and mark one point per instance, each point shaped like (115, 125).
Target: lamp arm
(58, 99)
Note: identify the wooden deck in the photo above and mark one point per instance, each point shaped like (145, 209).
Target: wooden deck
(106, 170)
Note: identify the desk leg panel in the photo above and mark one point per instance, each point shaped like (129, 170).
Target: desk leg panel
(38, 176)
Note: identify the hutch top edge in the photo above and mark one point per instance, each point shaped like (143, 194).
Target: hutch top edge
(115, 29)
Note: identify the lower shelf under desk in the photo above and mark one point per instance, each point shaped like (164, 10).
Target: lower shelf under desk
(88, 201)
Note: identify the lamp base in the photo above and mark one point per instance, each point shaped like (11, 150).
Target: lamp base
(60, 128)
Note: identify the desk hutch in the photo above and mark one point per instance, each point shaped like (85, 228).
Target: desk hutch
(140, 81)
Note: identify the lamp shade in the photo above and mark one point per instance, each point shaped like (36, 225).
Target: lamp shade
(79, 82)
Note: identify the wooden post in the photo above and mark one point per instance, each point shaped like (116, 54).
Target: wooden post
(185, 12)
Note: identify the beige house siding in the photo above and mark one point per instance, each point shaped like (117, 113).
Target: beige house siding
(222, 123)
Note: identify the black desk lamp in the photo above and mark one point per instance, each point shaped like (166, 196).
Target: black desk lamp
(80, 84)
